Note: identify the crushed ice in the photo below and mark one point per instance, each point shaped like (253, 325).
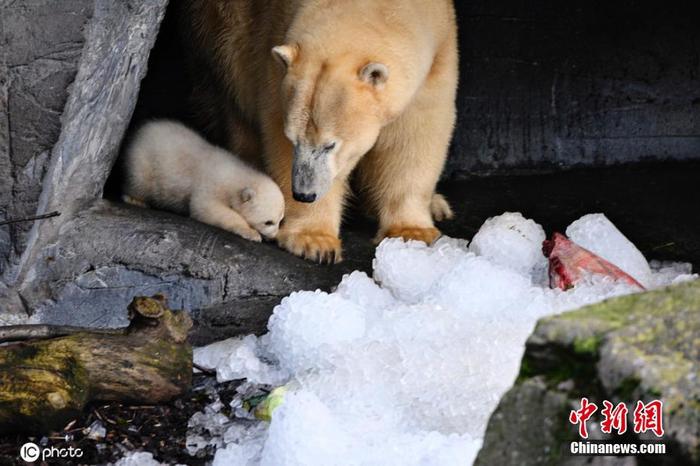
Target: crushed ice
(139, 458)
(405, 367)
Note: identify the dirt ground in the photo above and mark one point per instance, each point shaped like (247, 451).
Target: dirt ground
(160, 430)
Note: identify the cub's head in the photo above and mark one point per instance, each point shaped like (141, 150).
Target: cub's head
(333, 115)
(262, 207)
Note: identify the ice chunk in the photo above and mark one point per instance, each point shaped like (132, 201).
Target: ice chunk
(96, 431)
(671, 273)
(238, 358)
(360, 289)
(239, 454)
(206, 428)
(307, 329)
(598, 234)
(479, 287)
(409, 269)
(304, 432)
(215, 354)
(244, 445)
(140, 458)
(513, 241)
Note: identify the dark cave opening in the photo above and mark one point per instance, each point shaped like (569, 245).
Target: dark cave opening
(576, 105)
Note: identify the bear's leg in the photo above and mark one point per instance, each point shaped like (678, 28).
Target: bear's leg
(213, 212)
(309, 230)
(402, 170)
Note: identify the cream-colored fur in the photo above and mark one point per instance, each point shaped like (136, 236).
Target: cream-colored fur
(363, 85)
(171, 167)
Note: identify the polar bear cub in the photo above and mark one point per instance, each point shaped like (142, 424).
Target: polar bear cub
(169, 166)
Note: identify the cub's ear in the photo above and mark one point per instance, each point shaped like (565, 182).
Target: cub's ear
(247, 195)
(375, 74)
(285, 54)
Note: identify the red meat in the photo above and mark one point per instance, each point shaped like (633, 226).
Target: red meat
(569, 262)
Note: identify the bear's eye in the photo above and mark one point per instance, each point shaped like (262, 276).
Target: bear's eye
(269, 223)
(329, 147)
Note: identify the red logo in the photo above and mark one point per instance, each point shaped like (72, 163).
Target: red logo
(615, 418)
(582, 415)
(647, 417)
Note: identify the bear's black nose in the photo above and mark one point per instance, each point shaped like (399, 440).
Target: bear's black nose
(304, 197)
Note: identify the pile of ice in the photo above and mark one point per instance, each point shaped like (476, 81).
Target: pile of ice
(139, 458)
(405, 368)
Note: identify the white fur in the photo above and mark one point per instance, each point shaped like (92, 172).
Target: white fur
(171, 167)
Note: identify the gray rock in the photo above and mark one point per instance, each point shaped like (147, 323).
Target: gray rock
(40, 45)
(118, 42)
(109, 253)
(638, 347)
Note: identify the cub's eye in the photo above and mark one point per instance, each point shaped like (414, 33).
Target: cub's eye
(269, 223)
(329, 147)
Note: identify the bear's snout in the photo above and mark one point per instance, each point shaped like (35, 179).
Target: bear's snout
(304, 197)
(311, 175)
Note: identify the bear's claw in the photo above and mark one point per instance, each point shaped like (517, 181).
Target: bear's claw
(316, 246)
(427, 235)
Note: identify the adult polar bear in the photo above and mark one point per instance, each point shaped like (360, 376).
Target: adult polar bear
(357, 85)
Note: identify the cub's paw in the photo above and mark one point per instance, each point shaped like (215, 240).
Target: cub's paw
(316, 246)
(427, 235)
(134, 201)
(440, 208)
(249, 234)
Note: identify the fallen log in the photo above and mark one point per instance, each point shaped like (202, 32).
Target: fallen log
(45, 382)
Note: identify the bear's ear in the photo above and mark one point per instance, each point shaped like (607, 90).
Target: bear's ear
(375, 74)
(247, 195)
(285, 54)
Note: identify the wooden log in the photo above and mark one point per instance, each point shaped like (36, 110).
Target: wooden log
(43, 383)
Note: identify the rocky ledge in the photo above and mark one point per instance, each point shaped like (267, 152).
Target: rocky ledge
(638, 347)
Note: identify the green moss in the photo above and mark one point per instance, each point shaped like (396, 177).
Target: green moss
(588, 346)
(614, 313)
(526, 370)
(17, 353)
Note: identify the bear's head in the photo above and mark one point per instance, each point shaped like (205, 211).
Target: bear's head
(334, 111)
(261, 205)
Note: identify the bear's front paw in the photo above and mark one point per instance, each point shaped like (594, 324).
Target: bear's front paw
(249, 234)
(317, 246)
(427, 235)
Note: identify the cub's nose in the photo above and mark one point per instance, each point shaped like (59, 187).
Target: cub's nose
(304, 197)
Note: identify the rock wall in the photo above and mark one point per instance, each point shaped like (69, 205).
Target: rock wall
(638, 347)
(73, 74)
(40, 46)
(552, 84)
